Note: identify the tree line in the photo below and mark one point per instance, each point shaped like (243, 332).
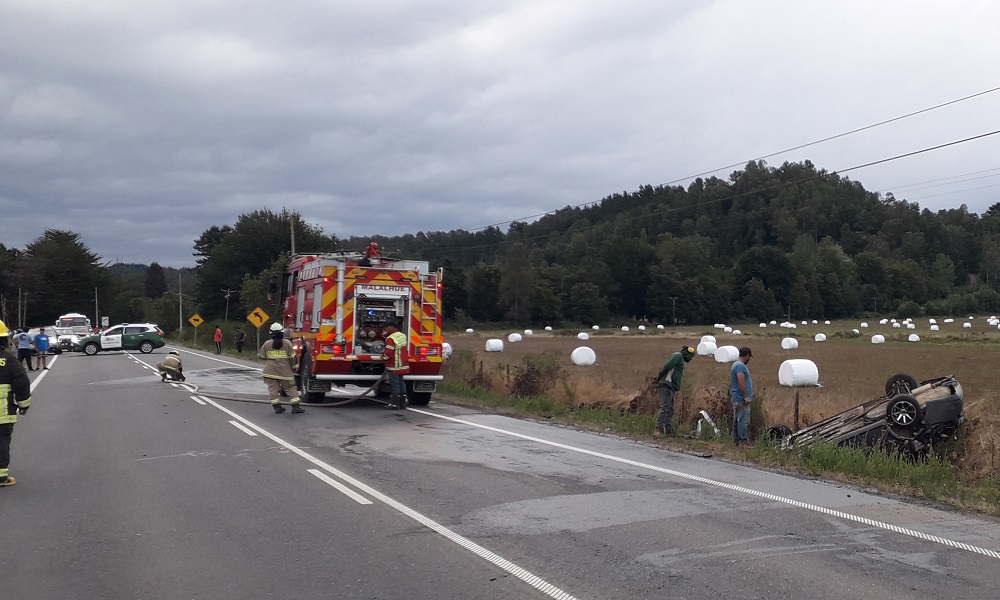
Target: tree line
(765, 243)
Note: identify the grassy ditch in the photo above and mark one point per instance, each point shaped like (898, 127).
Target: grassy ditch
(953, 473)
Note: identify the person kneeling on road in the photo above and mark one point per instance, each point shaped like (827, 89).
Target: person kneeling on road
(279, 370)
(171, 367)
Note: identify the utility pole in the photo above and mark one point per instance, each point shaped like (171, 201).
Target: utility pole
(291, 223)
(876, 305)
(673, 310)
(97, 310)
(180, 305)
(228, 293)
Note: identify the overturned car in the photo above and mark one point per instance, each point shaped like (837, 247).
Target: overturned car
(909, 418)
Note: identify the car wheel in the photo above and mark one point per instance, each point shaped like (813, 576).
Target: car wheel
(778, 432)
(146, 347)
(900, 383)
(903, 411)
(90, 349)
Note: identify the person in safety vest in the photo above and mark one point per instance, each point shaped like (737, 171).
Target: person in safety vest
(171, 366)
(397, 363)
(280, 365)
(668, 383)
(15, 398)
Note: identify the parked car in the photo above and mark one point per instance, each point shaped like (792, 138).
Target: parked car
(144, 337)
(66, 338)
(54, 347)
(909, 417)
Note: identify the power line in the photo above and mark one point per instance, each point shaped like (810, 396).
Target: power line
(741, 163)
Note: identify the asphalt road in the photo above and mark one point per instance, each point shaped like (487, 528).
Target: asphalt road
(132, 488)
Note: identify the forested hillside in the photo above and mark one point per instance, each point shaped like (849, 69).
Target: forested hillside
(767, 242)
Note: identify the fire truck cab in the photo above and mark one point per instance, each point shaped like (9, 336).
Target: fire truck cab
(337, 307)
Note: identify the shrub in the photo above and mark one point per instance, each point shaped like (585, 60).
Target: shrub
(908, 310)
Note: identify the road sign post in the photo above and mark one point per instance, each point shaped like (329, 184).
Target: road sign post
(257, 318)
(196, 320)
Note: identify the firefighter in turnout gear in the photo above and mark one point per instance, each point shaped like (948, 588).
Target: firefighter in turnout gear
(171, 367)
(280, 365)
(397, 364)
(15, 398)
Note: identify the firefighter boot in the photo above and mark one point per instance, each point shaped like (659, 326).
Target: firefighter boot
(278, 409)
(393, 403)
(297, 409)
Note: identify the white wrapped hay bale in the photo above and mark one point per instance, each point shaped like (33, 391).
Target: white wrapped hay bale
(773, 323)
(469, 330)
(896, 325)
(514, 338)
(967, 325)
(706, 348)
(789, 343)
(727, 354)
(885, 321)
(911, 326)
(914, 337)
(596, 327)
(529, 332)
(494, 345)
(737, 332)
(820, 337)
(932, 321)
(583, 357)
(728, 329)
(582, 336)
(763, 326)
(446, 350)
(826, 322)
(624, 328)
(548, 328)
(949, 320)
(805, 322)
(878, 339)
(856, 332)
(864, 326)
(642, 328)
(815, 322)
(935, 328)
(659, 327)
(709, 338)
(798, 372)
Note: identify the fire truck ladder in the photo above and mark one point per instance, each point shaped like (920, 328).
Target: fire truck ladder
(428, 322)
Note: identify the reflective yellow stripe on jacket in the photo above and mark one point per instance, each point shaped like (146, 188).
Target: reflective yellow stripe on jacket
(8, 413)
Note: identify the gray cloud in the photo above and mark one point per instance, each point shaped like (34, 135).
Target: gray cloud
(141, 125)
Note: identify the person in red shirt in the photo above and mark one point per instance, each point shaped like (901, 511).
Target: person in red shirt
(397, 363)
(218, 340)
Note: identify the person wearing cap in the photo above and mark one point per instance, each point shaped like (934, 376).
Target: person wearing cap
(397, 364)
(668, 383)
(15, 399)
(741, 393)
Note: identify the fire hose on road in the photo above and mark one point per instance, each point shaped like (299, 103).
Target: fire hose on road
(362, 396)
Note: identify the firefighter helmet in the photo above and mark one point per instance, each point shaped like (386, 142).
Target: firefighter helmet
(174, 352)
(275, 328)
(4, 332)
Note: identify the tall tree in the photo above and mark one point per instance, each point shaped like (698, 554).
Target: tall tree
(156, 281)
(63, 271)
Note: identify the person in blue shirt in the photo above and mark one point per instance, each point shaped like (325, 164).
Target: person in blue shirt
(41, 349)
(741, 393)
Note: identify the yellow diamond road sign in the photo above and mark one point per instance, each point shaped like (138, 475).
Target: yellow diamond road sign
(196, 320)
(258, 317)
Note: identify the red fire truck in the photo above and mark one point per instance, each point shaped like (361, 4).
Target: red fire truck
(337, 307)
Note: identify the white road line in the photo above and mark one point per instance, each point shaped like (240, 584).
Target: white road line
(339, 486)
(736, 488)
(41, 376)
(240, 426)
(198, 400)
(522, 574)
(199, 354)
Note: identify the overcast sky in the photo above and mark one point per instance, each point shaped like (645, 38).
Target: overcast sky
(141, 124)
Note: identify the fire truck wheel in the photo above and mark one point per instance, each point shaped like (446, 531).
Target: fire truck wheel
(304, 376)
(416, 398)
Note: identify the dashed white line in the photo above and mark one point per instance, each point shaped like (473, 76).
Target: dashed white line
(198, 400)
(339, 486)
(240, 426)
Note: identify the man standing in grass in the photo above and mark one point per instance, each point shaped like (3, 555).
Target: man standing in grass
(668, 382)
(741, 393)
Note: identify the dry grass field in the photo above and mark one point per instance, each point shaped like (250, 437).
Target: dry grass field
(851, 371)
